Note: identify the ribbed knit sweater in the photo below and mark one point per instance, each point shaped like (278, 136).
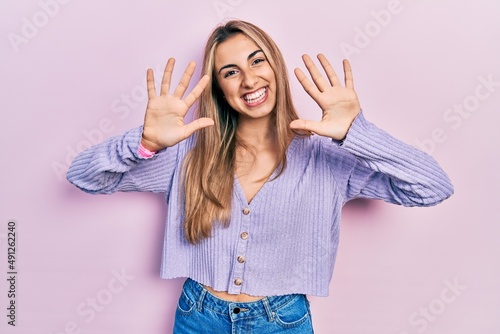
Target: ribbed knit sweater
(285, 241)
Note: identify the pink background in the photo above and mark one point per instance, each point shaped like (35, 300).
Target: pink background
(72, 72)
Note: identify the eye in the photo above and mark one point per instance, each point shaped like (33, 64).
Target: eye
(258, 60)
(229, 73)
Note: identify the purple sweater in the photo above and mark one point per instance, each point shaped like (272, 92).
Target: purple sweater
(285, 241)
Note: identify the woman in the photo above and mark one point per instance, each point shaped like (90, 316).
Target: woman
(254, 197)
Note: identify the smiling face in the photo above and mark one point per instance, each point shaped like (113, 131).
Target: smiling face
(245, 77)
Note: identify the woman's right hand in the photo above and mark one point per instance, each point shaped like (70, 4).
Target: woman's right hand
(164, 120)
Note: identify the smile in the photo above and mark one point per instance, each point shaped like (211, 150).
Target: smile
(256, 97)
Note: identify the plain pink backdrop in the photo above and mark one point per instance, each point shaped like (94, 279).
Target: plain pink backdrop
(72, 72)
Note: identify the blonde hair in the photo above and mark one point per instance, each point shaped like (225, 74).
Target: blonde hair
(210, 165)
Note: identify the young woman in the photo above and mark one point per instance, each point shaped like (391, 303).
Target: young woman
(254, 192)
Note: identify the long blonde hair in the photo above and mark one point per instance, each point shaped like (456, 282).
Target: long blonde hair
(210, 165)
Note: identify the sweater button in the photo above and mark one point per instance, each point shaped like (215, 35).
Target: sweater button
(241, 259)
(246, 211)
(238, 282)
(244, 235)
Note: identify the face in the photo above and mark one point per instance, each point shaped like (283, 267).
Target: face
(245, 77)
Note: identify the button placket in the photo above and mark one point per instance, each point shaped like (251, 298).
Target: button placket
(240, 252)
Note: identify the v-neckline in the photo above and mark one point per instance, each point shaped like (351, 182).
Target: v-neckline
(258, 194)
(264, 188)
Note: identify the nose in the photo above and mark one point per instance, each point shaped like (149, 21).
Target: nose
(249, 80)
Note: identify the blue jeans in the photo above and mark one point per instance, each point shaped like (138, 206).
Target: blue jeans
(199, 311)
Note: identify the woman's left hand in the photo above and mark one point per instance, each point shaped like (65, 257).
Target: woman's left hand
(340, 105)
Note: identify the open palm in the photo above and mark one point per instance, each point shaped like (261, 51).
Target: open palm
(164, 120)
(340, 105)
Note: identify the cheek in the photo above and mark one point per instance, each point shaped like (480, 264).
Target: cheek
(269, 69)
(271, 77)
(227, 89)
(272, 82)
(230, 94)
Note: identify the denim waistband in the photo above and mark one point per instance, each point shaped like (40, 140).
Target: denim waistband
(236, 310)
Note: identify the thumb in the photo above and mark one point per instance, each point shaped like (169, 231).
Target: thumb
(197, 124)
(303, 124)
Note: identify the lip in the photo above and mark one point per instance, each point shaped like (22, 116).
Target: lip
(261, 101)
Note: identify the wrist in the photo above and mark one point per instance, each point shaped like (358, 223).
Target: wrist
(148, 146)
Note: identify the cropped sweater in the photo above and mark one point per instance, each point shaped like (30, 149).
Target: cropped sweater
(285, 240)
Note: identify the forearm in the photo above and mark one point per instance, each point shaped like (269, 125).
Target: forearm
(117, 165)
(414, 177)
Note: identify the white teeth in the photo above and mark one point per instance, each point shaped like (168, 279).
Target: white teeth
(255, 97)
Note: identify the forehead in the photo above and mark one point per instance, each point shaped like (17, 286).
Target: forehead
(233, 50)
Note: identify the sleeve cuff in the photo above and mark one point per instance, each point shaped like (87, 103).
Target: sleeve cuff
(144, 152)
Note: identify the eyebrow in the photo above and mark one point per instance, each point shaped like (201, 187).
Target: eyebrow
(248, 58)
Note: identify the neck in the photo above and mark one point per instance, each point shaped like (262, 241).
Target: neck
(255, 132)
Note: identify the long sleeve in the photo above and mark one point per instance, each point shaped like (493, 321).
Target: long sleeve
(115, 165)
(388, 169)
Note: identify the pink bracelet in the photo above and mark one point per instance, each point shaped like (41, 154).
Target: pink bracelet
(144, 152)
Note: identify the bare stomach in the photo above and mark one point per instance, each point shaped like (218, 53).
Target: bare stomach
(241, 298)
